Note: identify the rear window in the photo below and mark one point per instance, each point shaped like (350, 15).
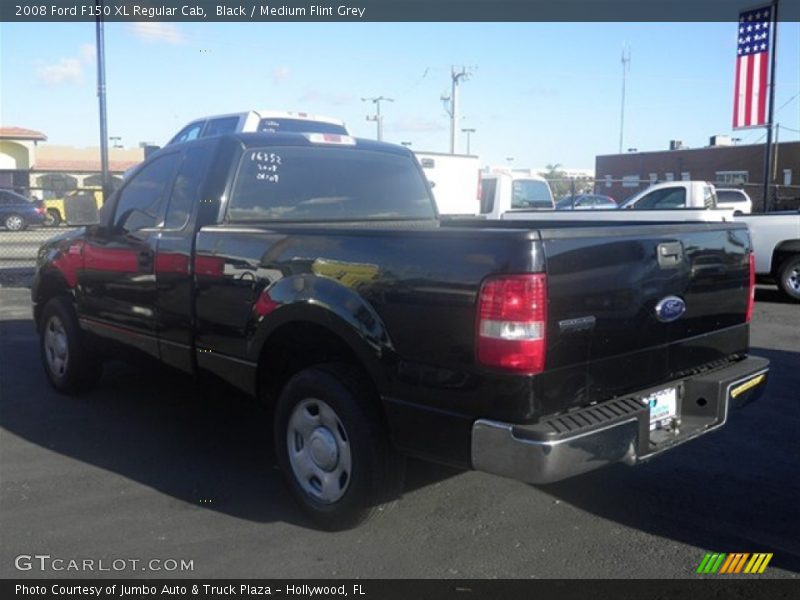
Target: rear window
(488, 189)
(530, 193)
(311, 184)
(730, 196)
(299, 126)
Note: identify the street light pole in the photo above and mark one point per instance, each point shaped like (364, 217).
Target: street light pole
(101, 95)
(468, 131)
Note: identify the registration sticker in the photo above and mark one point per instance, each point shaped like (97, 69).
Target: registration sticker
(663, 406)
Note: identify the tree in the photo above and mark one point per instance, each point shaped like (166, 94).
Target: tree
(559, 183)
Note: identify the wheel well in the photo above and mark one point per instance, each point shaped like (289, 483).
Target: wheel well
(782, 252)
(297, 346)
(49, 287)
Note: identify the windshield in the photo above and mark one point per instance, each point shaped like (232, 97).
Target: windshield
(531, 193)
(325, 183)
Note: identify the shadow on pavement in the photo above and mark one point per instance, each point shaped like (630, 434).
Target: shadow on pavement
(206, 445)
(734, 490)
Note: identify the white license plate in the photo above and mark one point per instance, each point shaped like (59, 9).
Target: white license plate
(663, 406)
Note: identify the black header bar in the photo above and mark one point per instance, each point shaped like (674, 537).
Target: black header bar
(384, 10)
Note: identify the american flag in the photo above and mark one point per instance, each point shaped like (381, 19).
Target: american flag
(752, 66)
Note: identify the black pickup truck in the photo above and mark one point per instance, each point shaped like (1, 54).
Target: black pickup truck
(313, 272)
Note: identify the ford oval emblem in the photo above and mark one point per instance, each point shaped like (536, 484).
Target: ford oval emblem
(670, 308)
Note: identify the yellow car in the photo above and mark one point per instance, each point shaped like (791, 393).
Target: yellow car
(54, 207)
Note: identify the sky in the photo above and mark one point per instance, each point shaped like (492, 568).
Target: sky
(539, 93)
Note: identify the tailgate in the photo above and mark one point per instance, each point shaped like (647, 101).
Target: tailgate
(633, 307)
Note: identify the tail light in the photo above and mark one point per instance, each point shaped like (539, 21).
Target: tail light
(511, 323)
(480, 186)
(751, 298)
(41, 210)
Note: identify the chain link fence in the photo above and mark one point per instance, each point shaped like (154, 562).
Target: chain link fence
(30, 216)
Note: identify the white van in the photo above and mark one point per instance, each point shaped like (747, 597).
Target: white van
(507, 190)
(454, 181)
(259, 120)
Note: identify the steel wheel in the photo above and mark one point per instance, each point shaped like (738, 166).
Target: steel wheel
(793, 279)
(55, 346)
(319, 450)
(15, 223)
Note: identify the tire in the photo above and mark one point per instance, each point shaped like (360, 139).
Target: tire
(53, 218)
(333, 447)
(68, 363)
(15, 223)
(789, 277)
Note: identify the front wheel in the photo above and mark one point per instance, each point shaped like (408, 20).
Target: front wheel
(67, 361)
(15, 223)
(789, 277)
(333, 447)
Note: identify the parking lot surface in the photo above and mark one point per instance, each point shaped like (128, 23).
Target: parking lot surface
(150, 466)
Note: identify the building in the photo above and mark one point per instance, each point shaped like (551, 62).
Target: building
(18, 148)
(622, 175)
(48, 171)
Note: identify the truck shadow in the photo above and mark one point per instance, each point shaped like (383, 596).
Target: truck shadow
(206, 445)
(772, 294)
(734, 490)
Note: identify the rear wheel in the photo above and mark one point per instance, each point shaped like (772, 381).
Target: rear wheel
(69, 364)
(789, 277)
(53, 217)
(15, 223)
(333, 447)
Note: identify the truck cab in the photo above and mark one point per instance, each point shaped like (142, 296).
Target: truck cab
(502, 191)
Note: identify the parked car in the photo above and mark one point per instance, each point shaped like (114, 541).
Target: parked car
(271, 121)
(312, 272)
(673, 195)
(18, 212)
(736, 199)
(585, 202)
(54, 207)
(776, 248)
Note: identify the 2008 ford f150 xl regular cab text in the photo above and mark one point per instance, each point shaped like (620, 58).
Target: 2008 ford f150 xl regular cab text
(312, 271)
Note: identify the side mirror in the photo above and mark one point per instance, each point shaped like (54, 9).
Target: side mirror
(81, 209)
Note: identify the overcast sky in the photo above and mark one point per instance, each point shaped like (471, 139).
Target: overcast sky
(540, 92)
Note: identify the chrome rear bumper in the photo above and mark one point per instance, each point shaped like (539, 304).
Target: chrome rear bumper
(615, 431)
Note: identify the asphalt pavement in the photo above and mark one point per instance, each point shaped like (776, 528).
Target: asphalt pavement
(149, 466)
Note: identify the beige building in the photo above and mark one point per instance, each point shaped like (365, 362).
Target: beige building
(48, 170)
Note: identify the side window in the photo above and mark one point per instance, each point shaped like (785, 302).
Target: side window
(664, 198)
(488, 189)
(188, 133)
(188, 185)
(141, 201)
(709, 198)
(221, 126)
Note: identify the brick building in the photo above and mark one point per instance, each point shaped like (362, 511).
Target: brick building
(622, 175)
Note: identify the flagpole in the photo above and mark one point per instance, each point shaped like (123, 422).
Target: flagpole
(768, 147)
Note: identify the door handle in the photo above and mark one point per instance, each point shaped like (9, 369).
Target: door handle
(145, 259)
(670, 255)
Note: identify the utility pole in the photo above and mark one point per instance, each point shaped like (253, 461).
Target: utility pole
(451, 103)
(101, 95)
(768, 148)
(626, 60)
(468, 131)
(377, 117)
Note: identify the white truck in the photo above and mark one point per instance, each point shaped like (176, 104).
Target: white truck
(673, 194)
(504, 190)
(454, 180)
(776, 248)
